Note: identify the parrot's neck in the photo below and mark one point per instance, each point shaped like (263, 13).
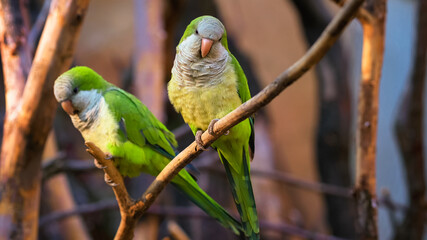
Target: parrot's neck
(84, 120)
(190, 69)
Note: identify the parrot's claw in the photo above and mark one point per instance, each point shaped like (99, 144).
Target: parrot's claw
(110, 181)
(98, 165)
(211, 128)
(199, 140)
(109, 156)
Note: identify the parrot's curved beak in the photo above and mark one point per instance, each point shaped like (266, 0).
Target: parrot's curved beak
(68, 107)
(206, 46)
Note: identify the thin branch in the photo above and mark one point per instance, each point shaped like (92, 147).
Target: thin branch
(409, 129)
(79, 210)
(187, 212)
(38, 26)
(367, 119)
(293, 181)
(361, 14)
(59, 164)
(128, 220)
(176, 231)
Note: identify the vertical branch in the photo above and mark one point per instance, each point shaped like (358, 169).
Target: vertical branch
(409, 131)
(15, 55)
(149, 55)
(23, 143)
(366, 136)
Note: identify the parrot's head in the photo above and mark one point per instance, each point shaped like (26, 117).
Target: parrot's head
(79, 88)
(204, 37)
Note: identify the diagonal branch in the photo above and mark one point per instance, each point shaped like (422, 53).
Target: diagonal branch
(128, 221)
(361, 14)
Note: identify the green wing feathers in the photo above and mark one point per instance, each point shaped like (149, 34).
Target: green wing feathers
(245, 95)
(241, 187)
(142, 127)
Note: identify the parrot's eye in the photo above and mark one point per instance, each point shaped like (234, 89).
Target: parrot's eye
(197, 32)
(75, 90)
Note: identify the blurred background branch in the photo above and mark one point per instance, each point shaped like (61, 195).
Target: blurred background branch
(409, 131)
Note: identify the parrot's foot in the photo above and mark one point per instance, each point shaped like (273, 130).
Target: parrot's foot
(110, 181)
(109, 156)
(211, 128)
(199, 140)
(98, 165)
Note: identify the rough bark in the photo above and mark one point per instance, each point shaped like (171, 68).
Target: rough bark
(32, 116)
(366, 135)
(333, 130)
(409, 131)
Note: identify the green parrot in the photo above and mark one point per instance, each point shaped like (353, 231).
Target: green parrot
(207, 83)
(119, 124)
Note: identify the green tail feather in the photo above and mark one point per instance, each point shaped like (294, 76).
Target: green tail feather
(241, 187)
(206, 203)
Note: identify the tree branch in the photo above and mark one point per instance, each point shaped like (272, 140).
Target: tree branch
(38, 26)
(128, 219)
(33, 112)
(59, 164)
(362, 14)
(409, 130)
(16, 57)
(293, 181)
(366, 135)
(188, 212)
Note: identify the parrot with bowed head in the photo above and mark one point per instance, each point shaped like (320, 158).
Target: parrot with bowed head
(207, 83)
(118, 123)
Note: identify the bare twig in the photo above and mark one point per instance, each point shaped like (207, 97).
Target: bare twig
(362, 14)
(38, 25)
(80, 210)
(58, 165)
(176, 231)
(293, 181)
(188, 212)
(366, 135)
(128, 221)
